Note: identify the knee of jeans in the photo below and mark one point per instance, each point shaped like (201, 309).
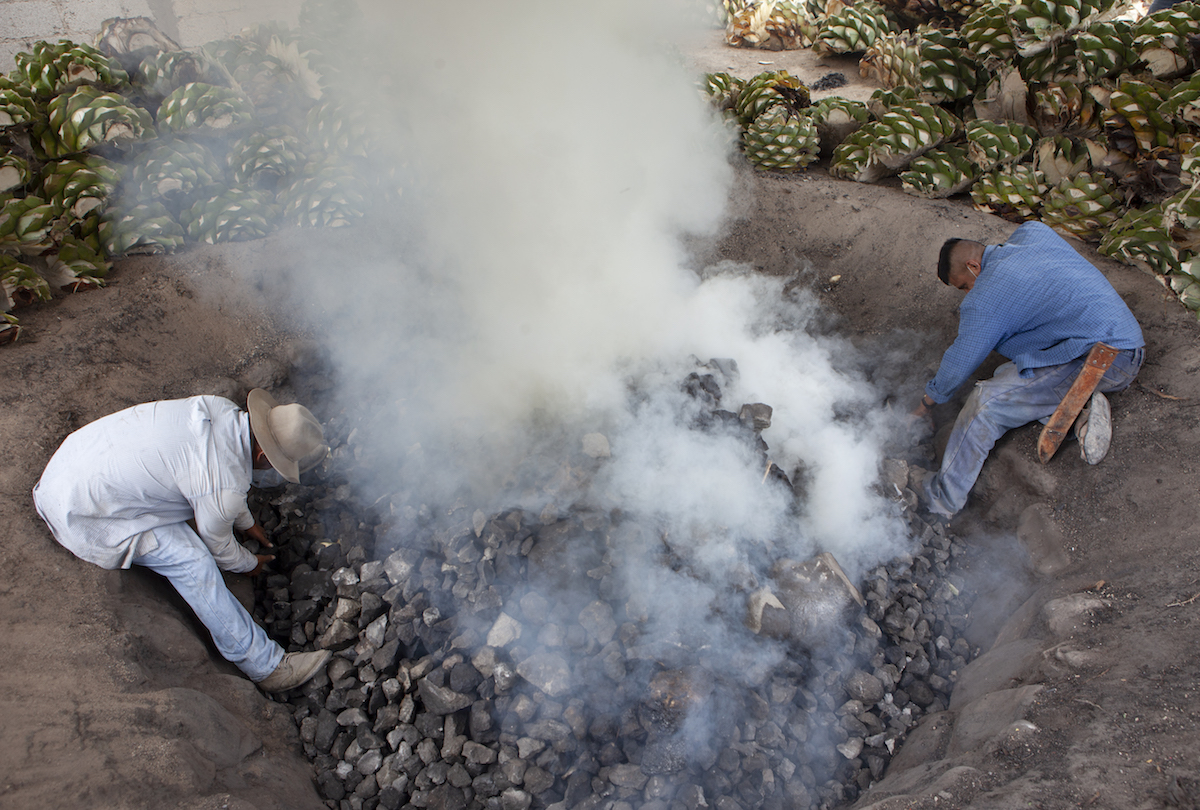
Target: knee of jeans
(182, 547)
(1118, 379)
(971, 409)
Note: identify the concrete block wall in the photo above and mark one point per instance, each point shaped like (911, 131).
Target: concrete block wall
(189, 22)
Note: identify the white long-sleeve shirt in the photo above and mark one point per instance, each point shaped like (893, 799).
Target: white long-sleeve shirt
(113, 481)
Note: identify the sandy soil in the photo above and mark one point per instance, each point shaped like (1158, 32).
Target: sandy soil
(113, 698)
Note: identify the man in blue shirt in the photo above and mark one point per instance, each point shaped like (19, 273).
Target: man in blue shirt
(1036, 301)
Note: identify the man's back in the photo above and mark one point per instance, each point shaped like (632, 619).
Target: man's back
(139, 469)
(1043, 303)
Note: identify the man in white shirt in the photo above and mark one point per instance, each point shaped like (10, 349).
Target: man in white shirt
(119, 492)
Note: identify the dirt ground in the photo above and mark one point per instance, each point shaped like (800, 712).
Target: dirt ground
(114, 698)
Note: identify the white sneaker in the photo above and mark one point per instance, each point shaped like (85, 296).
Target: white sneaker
(294, 670)
(1095, 429)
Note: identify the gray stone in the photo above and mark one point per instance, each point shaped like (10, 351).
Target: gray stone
(552, 731)
(440, 700)
(327, 729)
(534, 607)
(926, 743)
(484, 660)
(524, 707)
(921, 694)
(988, 716)
(371, 570)
(458, 776)
(392, 688)
(864, 687)
(505, 630)
(369, 762)
(385, 660)
(528, 747)
(338, 636)
(371, 605)
(1079, 659)
(373, 635)
(538, 781)
(352, 717)
(367, 788)
(597, 620)
(692, 797)
(998, 668)
(215, 733)
(756, 416)
(1068, 614)
(514, 799)
(344, 576)
(447, 797)
(339, 668)
(504, 676)
(400, 565)
(895, 474)
(477, 754)
(627, 776)
(546, 671)
(851, 748)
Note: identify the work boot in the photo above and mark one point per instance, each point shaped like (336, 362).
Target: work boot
(294, 670)
(1095, 429)
(918, 484)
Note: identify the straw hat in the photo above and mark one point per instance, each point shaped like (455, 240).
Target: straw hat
(290, 435)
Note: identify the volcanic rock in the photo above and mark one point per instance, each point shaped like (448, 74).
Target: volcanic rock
(597, 620)
(864, 687)
(1068, 614)
(338, 636)
(504, 631)
(440, 700)
(627, 776)
(547, 671)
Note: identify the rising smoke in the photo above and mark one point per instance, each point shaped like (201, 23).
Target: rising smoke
(531, 286)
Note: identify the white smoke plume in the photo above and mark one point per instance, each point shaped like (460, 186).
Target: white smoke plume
(532, 283)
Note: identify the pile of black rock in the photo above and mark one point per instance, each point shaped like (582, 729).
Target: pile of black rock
(498, 660)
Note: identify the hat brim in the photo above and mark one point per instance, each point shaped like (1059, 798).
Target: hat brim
(260, 403)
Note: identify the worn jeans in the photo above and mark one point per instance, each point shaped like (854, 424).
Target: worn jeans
(1004, 402)
(187, 563)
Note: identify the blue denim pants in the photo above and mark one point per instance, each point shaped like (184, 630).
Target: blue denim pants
(1004, 402)
(186, 562)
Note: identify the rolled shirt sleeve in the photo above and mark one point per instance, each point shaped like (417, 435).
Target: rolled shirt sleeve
(217, 515)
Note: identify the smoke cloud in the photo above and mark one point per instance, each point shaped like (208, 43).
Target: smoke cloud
(532, 285)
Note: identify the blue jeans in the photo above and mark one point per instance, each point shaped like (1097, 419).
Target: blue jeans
(186, 562)
(1004, 402)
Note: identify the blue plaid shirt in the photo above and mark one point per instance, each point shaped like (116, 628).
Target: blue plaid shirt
(1038, 303)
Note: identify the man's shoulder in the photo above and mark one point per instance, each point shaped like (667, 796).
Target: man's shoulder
(213, 404)
(1034, 232)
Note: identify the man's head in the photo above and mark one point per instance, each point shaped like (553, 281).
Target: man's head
(960, 262)
(289, 435)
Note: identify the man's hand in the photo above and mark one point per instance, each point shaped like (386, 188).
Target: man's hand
(924, 407)
(263, 559)
(921, 419)
(256, 532)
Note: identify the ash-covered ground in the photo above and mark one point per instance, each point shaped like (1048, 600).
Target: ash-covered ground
(583, 619)
(114, 695)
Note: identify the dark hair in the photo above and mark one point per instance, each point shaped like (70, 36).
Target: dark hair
(944, 259)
